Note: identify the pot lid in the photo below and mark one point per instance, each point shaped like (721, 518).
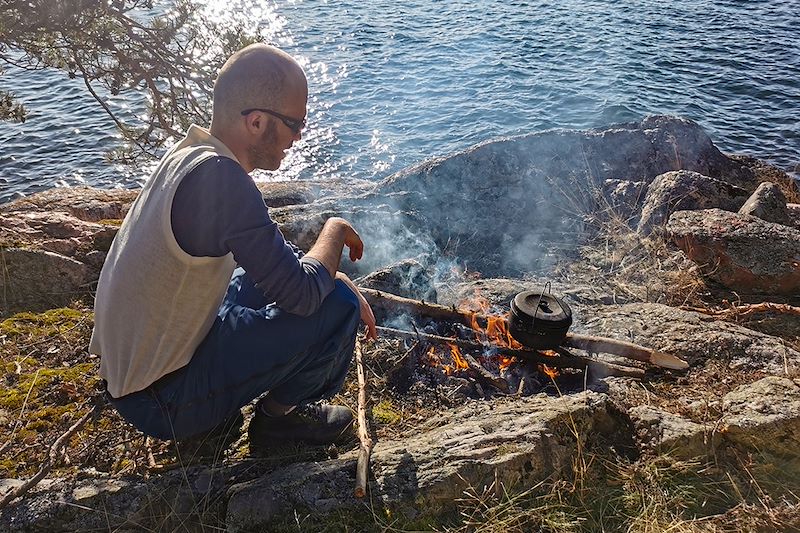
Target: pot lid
(539, 306)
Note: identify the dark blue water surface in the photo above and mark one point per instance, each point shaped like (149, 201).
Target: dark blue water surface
(395, 83)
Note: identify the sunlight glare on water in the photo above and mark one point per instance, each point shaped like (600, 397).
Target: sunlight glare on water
(392, 84)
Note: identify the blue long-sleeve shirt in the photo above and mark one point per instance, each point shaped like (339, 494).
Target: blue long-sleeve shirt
(217, 209)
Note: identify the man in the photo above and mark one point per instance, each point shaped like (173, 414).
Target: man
(184, 339)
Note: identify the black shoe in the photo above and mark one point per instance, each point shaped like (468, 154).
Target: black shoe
(310, 424)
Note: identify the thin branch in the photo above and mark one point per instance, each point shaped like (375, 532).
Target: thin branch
(53, 456)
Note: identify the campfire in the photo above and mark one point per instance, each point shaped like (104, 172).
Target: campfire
(482, 351)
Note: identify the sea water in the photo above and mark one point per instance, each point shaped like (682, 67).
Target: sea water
(394, 83)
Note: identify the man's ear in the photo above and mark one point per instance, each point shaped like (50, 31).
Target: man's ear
(254, 122)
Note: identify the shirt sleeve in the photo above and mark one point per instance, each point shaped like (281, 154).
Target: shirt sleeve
(217, 209)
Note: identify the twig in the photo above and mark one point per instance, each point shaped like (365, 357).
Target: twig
(748, 309)
(52, 457)
(362, 467)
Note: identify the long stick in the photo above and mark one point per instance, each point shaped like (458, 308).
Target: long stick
(745, 310)
(362, 467)
(51, 459)
(625, 349)
(390, 302)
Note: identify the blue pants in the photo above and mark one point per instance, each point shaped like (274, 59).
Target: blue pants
(253, 347)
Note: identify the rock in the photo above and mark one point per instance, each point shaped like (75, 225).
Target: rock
(765, 416)
(50, 257)
(523, 194)
(767, 203)
(286, 193)
(659, 432)
(84, 203)
(624, 197)
(408, 278)
(793, 213)
(693, 337)
(516, 443)
(498, 293)
(743, 253)
(686, 190)
(765, 172)
(40, 280)
(179, 500)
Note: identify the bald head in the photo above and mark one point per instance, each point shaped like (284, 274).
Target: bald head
(258, 76)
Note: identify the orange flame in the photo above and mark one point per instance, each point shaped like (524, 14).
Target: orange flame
(552, 373)
(458, 359)
(496, 330)
(505, 362)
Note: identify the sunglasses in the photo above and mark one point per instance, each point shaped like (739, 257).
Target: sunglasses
(292, 123)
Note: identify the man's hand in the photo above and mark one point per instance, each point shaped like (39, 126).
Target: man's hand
(353, 242)
(335, 235)
(367, 316)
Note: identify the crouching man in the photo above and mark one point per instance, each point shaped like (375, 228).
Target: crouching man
(186, 338)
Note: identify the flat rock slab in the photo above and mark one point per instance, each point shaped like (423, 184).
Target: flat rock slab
(742, 252)
(517, 442)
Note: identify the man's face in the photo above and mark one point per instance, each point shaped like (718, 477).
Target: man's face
(276, 138)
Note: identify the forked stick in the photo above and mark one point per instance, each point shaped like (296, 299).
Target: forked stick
(53, 456)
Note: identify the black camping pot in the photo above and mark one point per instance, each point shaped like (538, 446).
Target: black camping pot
(539, 320)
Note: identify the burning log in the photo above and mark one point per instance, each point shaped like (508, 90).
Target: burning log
(477, 370)
(628, 350)
(362, 467)
(528, 355)
(565, 360)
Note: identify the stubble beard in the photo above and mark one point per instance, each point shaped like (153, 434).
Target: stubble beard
(262, 155)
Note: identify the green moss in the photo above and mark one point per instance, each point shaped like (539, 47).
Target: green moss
(385, 413)
(111, 222)
(52, 322)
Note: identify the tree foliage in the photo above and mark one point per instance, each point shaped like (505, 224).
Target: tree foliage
(169, 52)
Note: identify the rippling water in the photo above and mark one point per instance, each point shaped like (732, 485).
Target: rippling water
(395, 83)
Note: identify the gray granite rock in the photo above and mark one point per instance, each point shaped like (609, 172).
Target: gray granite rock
(686, 190)
(625, 198)
(408, 278)
(767, 203)
(765, 416)
(742, 252)
(38, 280)
(661, 432)
(524, 194)
(517, 443)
